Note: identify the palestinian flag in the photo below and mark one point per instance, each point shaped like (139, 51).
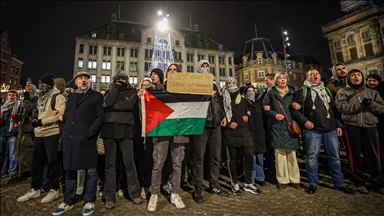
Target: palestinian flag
(171, 114)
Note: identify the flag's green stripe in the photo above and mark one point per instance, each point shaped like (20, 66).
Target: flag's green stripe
(179, 126)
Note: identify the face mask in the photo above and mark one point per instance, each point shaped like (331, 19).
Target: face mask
(205, 70)
(231, 86)
(250, 96)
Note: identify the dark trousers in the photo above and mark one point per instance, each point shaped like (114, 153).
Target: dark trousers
(101, 168)
(148, 161)
(71, 186)
(210, 140)
(45, 149)
(138, 146)
(247, 166)
(121, 180)
(359, 139)
(126, 147)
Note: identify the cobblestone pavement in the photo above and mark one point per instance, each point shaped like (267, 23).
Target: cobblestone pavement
(326, 201)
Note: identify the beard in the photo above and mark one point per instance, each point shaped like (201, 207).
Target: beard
(83, 87)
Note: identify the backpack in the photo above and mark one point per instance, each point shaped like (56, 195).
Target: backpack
(53, 101)
(305, 93)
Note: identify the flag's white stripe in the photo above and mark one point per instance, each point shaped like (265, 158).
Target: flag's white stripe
(143, 117)
(189, 109)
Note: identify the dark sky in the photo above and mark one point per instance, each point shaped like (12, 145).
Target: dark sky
(42, 34)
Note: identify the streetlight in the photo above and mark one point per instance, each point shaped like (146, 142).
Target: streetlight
(285, 39)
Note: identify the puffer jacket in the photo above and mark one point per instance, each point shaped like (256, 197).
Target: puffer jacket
(50, 123)
(354, 112)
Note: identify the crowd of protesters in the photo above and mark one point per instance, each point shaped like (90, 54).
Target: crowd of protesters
(55, 133)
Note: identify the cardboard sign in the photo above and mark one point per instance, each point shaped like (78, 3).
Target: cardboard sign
(190, 83)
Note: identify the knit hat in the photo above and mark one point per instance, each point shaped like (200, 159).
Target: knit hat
(159, 73)
(60, 84)
(48, 79)
(71, 84)
(198, 66)
(229, 79)
(247, 87)
(334, 70)
(120, 75)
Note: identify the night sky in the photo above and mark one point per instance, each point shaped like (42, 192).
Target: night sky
(42, 34)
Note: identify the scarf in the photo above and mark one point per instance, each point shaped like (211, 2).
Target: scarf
(44, 94)
(14, 105)
(250, 96)
(319, 90)
(282, 92)
(227, 100)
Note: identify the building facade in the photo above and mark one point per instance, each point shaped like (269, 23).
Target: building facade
(10, 66)
(357, 39)
(128, 46)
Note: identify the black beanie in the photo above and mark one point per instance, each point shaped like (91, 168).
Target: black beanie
(48, 79)
(159, 73)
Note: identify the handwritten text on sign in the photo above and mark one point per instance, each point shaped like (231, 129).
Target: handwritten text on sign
(190, 83)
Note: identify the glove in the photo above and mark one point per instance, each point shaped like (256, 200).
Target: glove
(367, 102)
(122, 85)
(37, 123)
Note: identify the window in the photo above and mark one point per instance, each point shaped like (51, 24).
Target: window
(302, 77)
(106, 65)
(134, 53)
(246, 76)
(222, 83)
(92, 63)
(368, 49)
(190, 57)
(148, 53)
(213, 71)
(120, 51)
(17, 71)
(177, 42)
(107, 51)
(147, 65)
(339, 57)
(366, 35)
(12, 69)
(221, 60)
(200, 57)
(261, 74)
(120, 65)
(181, 67)
(93, 50)
(80, 63)
(337, 43)
(93, 78)
(294, 76)
(260, 61)
(10, 80)
(105, 78)
(351, 39)
(177, 55)
(133, 66)
(133, 80)
(230, 72)
(353, 53)
(16, 81)
(149, 40)
(211, 59)
(81, 48)
(222, 71)
(230, 60)
(189, 68)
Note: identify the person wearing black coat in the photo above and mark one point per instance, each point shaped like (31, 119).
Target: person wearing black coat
(258, 134)
(236, 135)
(118, 131)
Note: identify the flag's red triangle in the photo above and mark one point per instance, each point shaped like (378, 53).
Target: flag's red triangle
(156, 111)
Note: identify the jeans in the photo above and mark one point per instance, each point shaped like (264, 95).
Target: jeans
(9, 152)
(312, 141)
(258, 168)
(71, 186)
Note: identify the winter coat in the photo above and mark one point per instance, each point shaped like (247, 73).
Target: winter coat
(240, 136)
(119, 120)
(354, 112)
(278, 130)
(317, 116)
(215, 113)
(256, 126)
(335, 86)
(51, 123)
(29, 105)
(83, 120)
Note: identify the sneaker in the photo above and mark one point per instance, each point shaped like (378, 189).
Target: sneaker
(296, 186)
(198, 198)
(218, 191)
(109, 205)
(167, 187)
(251, 188)
(362, 190)
(137, 201)
(52, 195)
(281, 186)
(62, 208)
(176, 200)
(12, 175)
(152, 203)
(143, 194)
(31, 194)
(120, 193)
(88, 208)
(236, 190)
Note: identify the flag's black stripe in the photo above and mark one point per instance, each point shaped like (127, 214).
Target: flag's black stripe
(167, 97)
